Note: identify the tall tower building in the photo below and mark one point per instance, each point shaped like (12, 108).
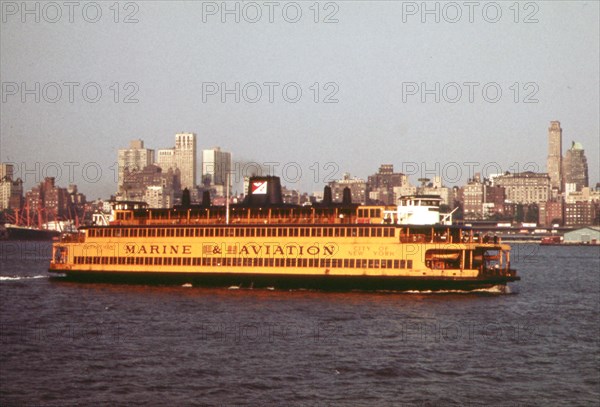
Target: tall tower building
(133, 159)
(575, 168)
(182, 157)
(554, 163)
(165, 159)
(216, 164)
(185, 159)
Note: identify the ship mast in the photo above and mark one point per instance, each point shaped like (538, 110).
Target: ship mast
(227, 199)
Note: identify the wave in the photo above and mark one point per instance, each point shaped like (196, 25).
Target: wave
(497, 289)
(17, 278)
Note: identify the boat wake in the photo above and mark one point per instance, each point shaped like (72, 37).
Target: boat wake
(19, 278)
(496, 290)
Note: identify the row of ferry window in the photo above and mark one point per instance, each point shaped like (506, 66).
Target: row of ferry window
(247, 262)
(245, 232)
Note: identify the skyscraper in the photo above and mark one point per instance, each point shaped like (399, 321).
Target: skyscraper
(133, 159)
(554, 163)
(182, 157)
(216, 164)
(185, 159)
(575, 168)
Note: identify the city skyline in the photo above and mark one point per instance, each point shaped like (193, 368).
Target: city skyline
(385, 79)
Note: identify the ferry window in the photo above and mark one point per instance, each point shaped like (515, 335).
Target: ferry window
(196, 261)
(170, 232)
(206, 261)
(143, 232)
(133, 233)
(168, 261)
(316, 232)
(160, 233)
(189, 232)
(209, 232)
(261, 232)
(121, 260)
(177, 261)
(402, 264)
(294, 232)
(239, 232)
(329, 232)
(302, 232)
(198, 232)
(378, 231)
(255, 262)
(409, 264)
(130, 260)
(270, 232)
(362, 232)
(247, 262)
(151, 232)
(302, 262)
(362, 263)
(282, 232)
(112, 260)
(139, 260)
(250, 232)
(269, 262)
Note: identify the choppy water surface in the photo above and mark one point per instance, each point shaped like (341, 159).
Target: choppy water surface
(66, 343)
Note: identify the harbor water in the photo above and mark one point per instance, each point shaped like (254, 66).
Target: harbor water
(65, 343)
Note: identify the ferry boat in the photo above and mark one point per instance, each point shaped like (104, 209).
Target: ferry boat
(265, 243)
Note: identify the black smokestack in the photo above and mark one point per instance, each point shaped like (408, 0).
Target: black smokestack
(186, 199)
(347, 197)
(206, 198)
(327, 198)
(264, 191)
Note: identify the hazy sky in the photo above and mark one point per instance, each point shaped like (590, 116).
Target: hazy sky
(474, 91)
